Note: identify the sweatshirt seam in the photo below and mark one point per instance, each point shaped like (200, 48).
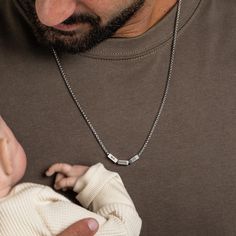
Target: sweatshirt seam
(149, 51)
(130, 58)
(135, 54)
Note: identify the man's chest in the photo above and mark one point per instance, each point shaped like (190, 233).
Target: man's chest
(188, 168)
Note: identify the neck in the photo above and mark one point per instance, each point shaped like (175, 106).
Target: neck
(151, 13)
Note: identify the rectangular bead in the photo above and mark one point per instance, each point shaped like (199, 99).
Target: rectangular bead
(123, 162)
(112, 158)
(133, 159)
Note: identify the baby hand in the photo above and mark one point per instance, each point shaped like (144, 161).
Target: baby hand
(67, 175)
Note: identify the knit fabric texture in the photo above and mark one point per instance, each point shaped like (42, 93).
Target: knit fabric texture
(37, 210)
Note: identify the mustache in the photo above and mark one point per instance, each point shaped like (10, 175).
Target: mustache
(82, 18)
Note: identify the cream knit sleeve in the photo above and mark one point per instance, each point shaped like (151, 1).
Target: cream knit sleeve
(103, 192)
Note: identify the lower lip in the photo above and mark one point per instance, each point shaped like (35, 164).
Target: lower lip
(64, 27)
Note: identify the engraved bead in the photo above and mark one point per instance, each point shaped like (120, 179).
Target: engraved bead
(123, 162)
(112, 158)
(133, 159)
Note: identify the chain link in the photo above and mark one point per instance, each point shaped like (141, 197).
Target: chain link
(157, 118)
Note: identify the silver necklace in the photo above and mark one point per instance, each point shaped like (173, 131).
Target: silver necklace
(160, 109)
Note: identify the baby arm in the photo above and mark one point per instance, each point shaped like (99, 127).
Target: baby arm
(66, 175)
(103, 192)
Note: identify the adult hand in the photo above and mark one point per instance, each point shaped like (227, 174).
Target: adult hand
(86, 227)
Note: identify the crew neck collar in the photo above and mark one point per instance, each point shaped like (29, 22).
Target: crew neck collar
(156, 36)
(159, 34)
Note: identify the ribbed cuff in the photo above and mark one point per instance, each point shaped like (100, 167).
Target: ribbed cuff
(91, 183)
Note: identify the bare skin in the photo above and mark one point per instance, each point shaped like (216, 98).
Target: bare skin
(53, 12)
(152, 12)
(12, 168)
(86, 227)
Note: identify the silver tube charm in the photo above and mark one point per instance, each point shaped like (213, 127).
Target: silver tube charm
(123, 162)
(134, 159)
(112, 158)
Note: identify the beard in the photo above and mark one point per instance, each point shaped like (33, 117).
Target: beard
(77, 41)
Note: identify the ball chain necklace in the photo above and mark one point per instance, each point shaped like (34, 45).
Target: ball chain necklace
(160, 109)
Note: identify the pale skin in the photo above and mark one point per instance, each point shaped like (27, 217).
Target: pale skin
(13, 165)
(53, 12)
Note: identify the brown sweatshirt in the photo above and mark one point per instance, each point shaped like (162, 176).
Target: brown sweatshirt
(185, 182)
